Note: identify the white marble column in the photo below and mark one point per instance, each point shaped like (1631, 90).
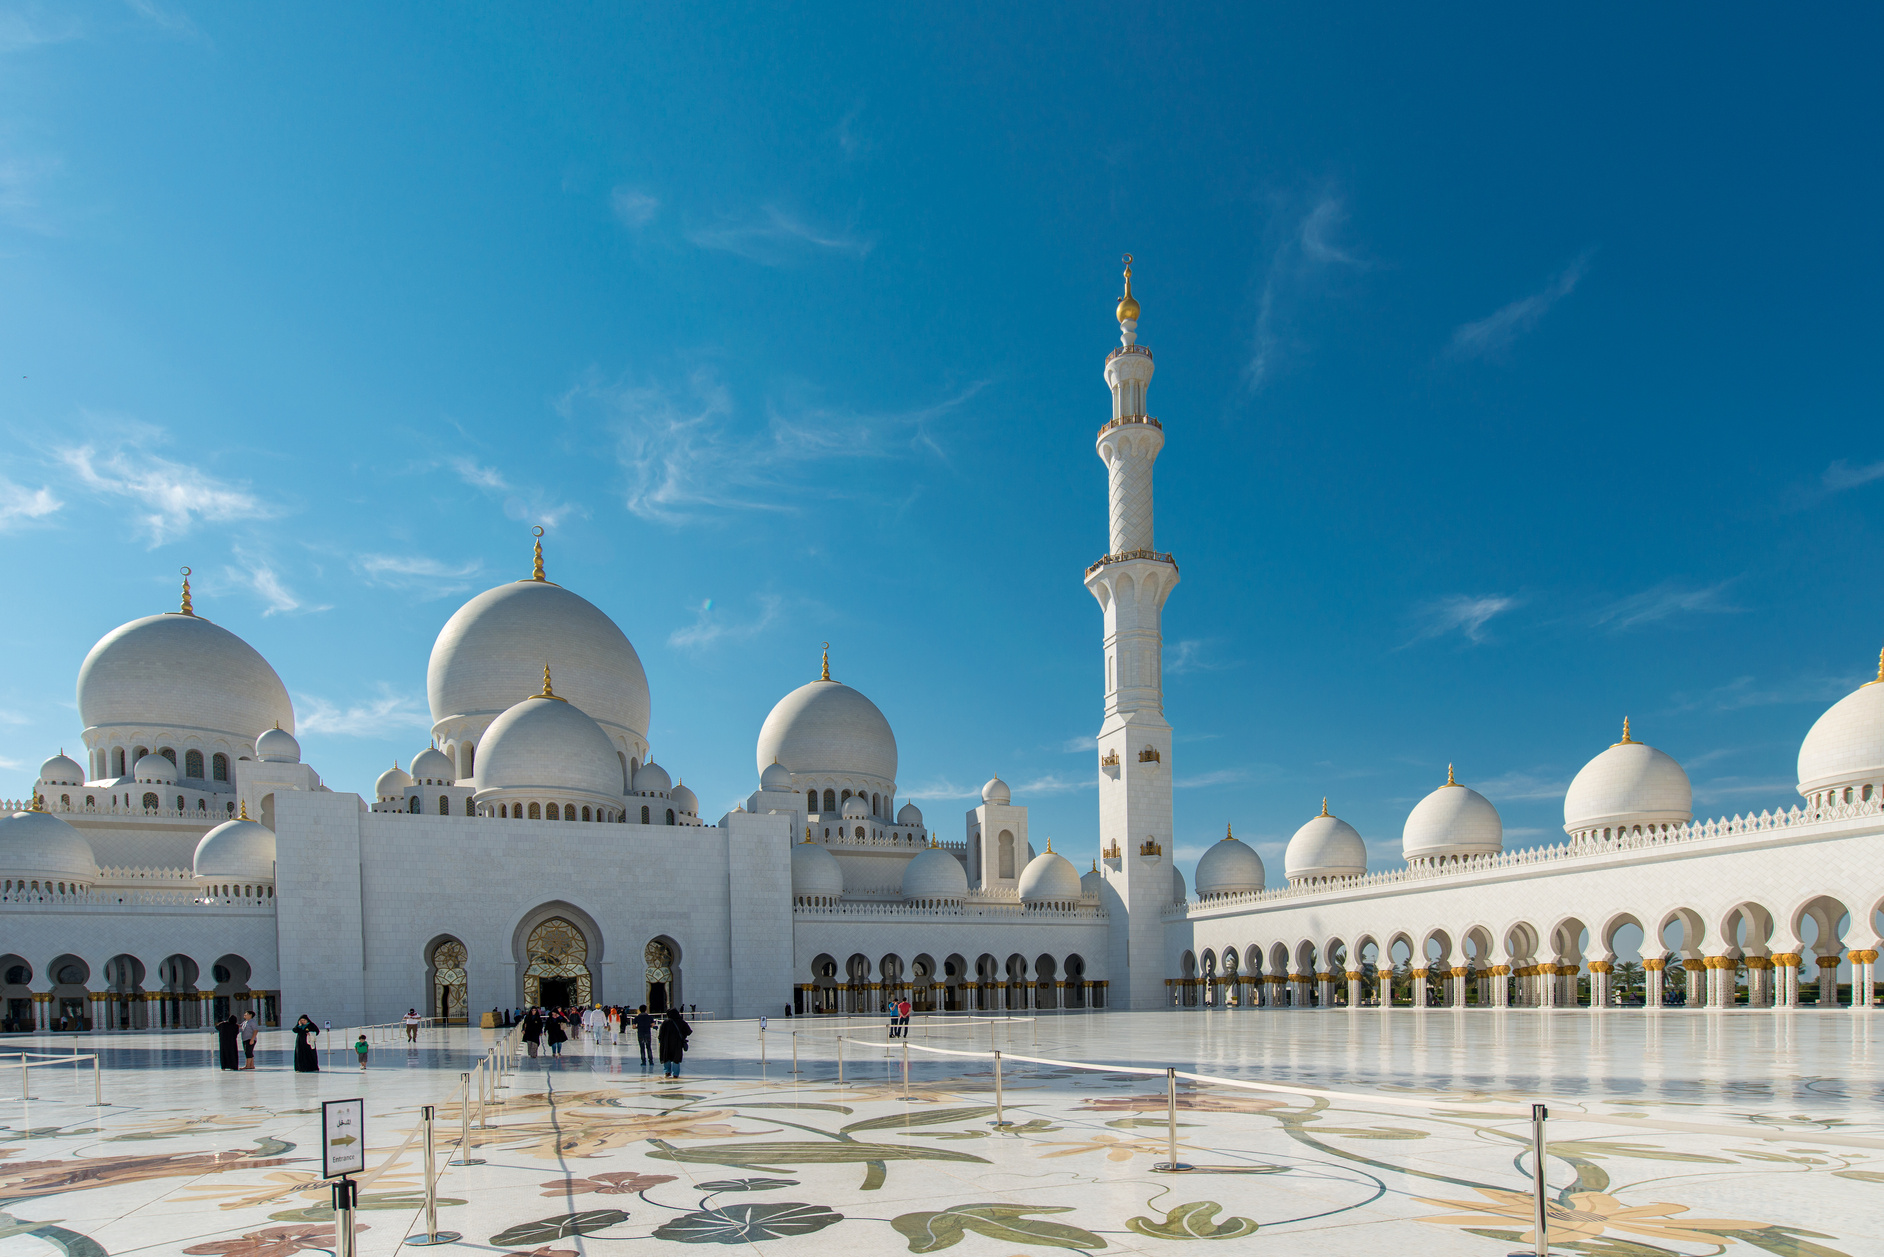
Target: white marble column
(1600, 971)
(1354, 977)
(1862, 993)
(1653, 990)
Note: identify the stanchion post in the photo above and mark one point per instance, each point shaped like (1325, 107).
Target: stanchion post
(1172, 1166)
(840, 1060)
(1540, 1216)
(464, 1125)
(98, 1082)
(25, 1094)
(794, 1051)
(432, 1235)
(1000, 1118)
(346, 1198)
(906, 1069)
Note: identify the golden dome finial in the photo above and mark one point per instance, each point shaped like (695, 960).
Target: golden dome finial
(1229, 834)
(1324, 805)
(1128, 304)
(245, 811)
(1626, 739)
(1449, 779)
(827, 662)
(548, 692)
(38, 804)
(1880, 665)
(807, 833)
(186, 593)
(536, 573)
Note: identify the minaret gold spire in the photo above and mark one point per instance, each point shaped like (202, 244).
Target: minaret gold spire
(1128, 304)
(1229, 835)
(536, 573)
(1626, 739)
(547, 691)
(1880, 667)
(1324, 803)
(245, 811)
(186, 593)
(827, 662)
(38, 804)
(1449, 780)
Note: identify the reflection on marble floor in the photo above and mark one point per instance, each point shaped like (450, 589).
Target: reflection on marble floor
(593, 1152)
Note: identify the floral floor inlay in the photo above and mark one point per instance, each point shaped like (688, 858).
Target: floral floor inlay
(594, 1154)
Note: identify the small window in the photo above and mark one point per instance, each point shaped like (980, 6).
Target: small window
(843, 797)
(150, 802)
(138, 753)
(117, 760)
(860, 832)
(65, 801)
(229, 808)
(91, 800)
(644, 814)
(413, 806)
(503, 811)
(202, 805)
(553, 813)
(670, 816)
(569, 811)
(444, 805)
(219, 766)
(536, 812)
(585, 814)
(179, 803)
(193, 764)
(830, 801)
(169, 753)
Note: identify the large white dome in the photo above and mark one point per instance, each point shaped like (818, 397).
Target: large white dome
(816, 872)
(934, 874)
(491, 655)
(38, 845)
(240, 850)
(1845, 746)
(1631, 783)
(176, 671)
(1325, 847)
(1453, 820)
(828, 728)
(1229, 867)
(1049, 878)
(547, 744)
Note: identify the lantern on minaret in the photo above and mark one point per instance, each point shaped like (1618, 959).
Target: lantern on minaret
(1131, 582)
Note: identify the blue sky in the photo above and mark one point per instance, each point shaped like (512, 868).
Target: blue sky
(1517, 375)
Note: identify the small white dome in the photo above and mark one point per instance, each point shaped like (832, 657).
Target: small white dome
(38, 845)
(547, 744)
(1090, 882)
(433, 767)
(1631, 783)
(1325, 847)
(241, 850)
(1845, 746)
(392, 783)
(1178, 893)
(277, 746)
(816, 871)
(934, 874)
(909, 815)
(651, 778)
(1453, 820)
(856, 807)
(1049, 878)
(154, 770)
(684, 799)
(775, 777)
(1229, 867)
(996, 792)
(827, 727)
(62, 770)
(179, 671)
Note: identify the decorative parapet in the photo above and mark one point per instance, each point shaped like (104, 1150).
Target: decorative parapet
(974, 907)
(178, 898)
(1123, 555)
(1795, 818)
(1109, 760)
(141, 813)
(1124, 420)
(1150, 755)
(1128, 349)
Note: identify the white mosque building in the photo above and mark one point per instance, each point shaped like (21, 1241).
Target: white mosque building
(187, 862)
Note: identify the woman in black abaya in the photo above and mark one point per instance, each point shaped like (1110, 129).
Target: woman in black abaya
(307, 1057)
(226, 1031)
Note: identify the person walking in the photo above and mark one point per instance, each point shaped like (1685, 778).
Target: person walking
(532, 1032)
(412, 1025)
(674, 1032)
(644, 1034)
(226, 1031)
(307, 1057)
(251, 1028)
(360, 1049)
(557, 1035)
(902, 1017)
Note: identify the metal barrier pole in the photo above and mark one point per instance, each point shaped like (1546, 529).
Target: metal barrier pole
(432, 1234)
(24, 1096)
(483, 1119)
(98, 1085)
(905, 1069)
(1170, 1090)
(1540, 1218)
(794, 1051)
(840, 1060)
(346, 1198)
(464, 1125)
(1000, 1119)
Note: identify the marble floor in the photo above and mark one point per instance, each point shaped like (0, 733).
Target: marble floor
(592, 1153)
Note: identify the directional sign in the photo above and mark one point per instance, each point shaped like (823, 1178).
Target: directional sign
(343, 1137)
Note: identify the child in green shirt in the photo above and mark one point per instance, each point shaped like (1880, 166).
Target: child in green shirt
(360, 1049)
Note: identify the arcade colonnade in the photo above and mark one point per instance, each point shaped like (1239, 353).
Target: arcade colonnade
(1014, 983)
(125, 992)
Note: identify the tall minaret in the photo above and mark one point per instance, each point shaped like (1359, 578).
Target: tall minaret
(1131, 583)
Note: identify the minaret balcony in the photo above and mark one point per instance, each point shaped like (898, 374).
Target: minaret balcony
(1122, 420)
(1122, 350)
(1128, 555)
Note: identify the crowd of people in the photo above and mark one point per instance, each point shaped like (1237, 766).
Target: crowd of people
(659, 1037)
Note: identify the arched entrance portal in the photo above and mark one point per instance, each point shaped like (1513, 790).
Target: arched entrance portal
(558, 973)
(450, 1000)
(663, 974)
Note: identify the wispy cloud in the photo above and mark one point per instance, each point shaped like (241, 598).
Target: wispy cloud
(1302, 259)
(776, 237)
(1665, 601)
(1518, 784)
(633, 207)
(20, 505)
(526, 503)
(431, 578)
(1216, 777)
(1492, 335)
(711, 626)
(848, 140)
(685, 453)
(1465, 614)
(942, 789)
(1782, 793)
(257, 573)
(170, 21)
(1841, 475)
(23, 29)
(1191, 655)
(1073, 745)
(386, 713)
(173, 497)
(1054, 783)
(14, 718)
(1746, 691)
